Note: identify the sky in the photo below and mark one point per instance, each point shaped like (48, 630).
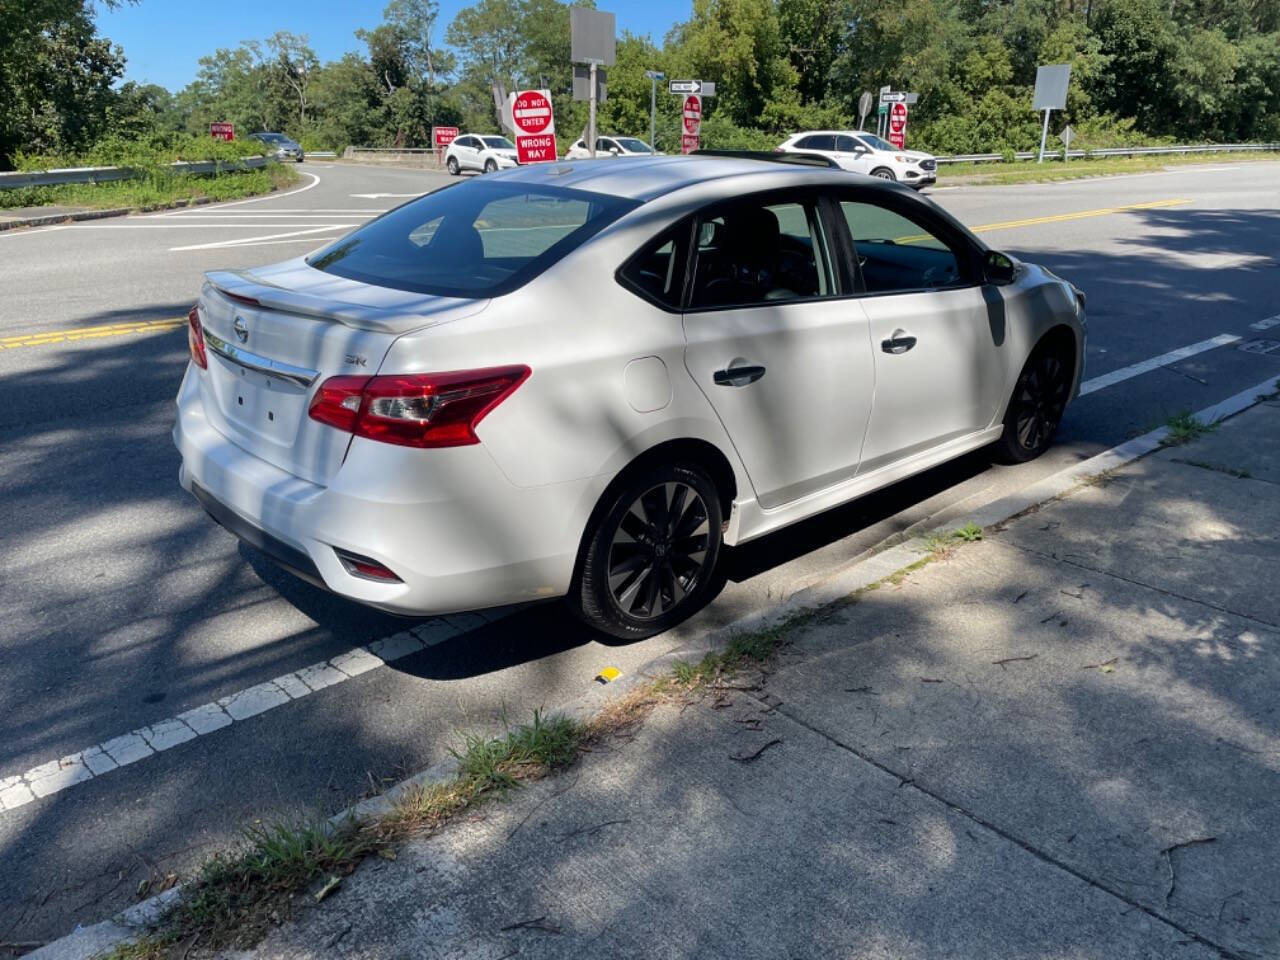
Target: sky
(164, 39)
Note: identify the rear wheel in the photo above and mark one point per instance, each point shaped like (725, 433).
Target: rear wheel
(490, 166)
(1036, 407)
(650, 553)
(884, 173)
(452, 165)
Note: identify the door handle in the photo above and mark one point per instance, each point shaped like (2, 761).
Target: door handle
(738, 376)
(900, 342)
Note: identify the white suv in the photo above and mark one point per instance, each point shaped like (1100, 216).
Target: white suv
(474, 151)
(611, 147)
(866, 153)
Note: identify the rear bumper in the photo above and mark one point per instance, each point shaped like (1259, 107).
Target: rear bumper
(447, 522)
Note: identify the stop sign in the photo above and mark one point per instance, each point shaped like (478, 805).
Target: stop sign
(692, 114)
(898, 117)
(531, 112)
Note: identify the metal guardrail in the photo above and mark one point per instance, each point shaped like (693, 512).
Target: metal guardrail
(1117, 152)
(51, 178)
(325, 154)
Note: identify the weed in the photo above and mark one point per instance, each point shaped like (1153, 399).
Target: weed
(969, 533)
(1184, 427)
(545, 744)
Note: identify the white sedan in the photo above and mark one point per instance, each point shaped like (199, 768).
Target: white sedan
(866, 153)
(422, 416)
(611, 147)
(484, 152)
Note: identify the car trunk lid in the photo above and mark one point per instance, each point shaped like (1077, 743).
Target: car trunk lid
(274, 335)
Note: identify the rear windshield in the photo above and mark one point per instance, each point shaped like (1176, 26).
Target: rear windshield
(480, 238)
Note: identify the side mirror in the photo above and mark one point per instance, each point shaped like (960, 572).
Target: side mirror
(998, 268)
(614, 150)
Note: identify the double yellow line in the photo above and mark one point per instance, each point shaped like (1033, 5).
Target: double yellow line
(46, 337)
(1082, 215)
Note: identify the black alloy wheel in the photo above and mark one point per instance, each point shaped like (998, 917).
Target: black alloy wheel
(650, 557)
(1036, 408)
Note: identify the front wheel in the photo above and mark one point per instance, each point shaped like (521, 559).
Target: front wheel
(490, 166)
(650, 554)
(1036, 407)
(884, 173)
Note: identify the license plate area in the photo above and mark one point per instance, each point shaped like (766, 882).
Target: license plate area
(264, 406)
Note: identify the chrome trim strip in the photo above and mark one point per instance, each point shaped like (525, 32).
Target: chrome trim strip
(257, 363)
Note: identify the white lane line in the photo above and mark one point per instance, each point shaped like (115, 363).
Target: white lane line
(1266, 324)
(1146, 366)
(246, 215)
(389, 196)
(245, 241)
(236, 203)
(318, 241)
(55, 775)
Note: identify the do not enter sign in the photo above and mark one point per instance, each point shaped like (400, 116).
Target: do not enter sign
(531, 113)
(898, 125)
(535, 126)
(692, 114)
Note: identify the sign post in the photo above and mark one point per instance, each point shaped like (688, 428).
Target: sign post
(898, 124)
(1050, 94)
(222, 131)
(441, 137)
(592, 41)
(1066, 136)
(654, 76)
(535, 126)
(864, 107)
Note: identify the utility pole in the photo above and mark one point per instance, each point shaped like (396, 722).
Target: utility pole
(591, 116)
(654, 76)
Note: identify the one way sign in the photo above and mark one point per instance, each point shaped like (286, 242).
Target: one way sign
(705, 89)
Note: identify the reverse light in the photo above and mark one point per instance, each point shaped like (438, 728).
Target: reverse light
(195, 339)
(416, 410)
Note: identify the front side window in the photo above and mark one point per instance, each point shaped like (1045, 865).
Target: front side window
(760, 253)
(896, 254)
(846, 144)
(874, 142)
(476, 239)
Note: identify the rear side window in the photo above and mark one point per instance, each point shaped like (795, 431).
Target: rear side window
(755, 253)
(656, 272)
(896, 254)
(821, 141)
(476, 239)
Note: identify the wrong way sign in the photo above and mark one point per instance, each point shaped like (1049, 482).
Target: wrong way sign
(535, 127)
(898, 125)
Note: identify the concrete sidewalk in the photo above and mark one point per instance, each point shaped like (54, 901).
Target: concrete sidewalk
(1060, 742)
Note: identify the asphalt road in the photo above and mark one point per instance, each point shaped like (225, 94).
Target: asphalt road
(121, 604)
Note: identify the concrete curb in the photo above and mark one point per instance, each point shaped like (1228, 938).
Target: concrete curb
(57, 218)
(89, 942)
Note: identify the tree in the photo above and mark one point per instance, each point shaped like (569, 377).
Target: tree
(295, 62)
(55, 77)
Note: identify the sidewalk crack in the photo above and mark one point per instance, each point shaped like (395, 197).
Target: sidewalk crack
(1148, 586)
(908, 781)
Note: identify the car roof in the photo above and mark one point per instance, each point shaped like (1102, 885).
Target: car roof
(648, 177)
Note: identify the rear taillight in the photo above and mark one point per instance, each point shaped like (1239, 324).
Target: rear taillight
(366, 568)
(416, 410)
(195, 339)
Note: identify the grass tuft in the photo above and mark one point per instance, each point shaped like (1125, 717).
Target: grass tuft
(154, 191)
(1184, 427)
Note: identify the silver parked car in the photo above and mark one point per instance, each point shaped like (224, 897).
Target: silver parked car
(280, 146)
(582, 379)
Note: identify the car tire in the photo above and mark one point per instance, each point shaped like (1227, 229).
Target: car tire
(644, 570)
(452, 166)
(884, 173)
(1036, 407)
(490, 166)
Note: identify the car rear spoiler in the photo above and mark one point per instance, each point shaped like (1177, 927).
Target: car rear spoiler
(802, 159)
